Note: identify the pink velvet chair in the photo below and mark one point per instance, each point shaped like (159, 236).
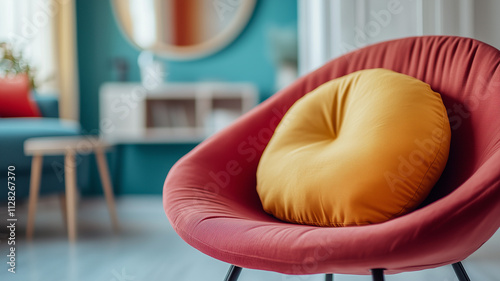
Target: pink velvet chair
(211, 201)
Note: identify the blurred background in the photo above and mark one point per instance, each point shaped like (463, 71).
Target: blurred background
(154, 78)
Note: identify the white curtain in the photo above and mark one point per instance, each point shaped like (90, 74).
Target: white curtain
(330, 28)
(27, 24)
(44, 30)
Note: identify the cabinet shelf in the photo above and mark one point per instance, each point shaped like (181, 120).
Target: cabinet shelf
(176, 112)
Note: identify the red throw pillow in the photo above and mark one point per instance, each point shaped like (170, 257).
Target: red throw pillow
(15, 100)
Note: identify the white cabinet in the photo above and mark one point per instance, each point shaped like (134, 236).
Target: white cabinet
(174, 112)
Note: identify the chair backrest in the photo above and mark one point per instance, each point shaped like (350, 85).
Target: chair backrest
(464, 71)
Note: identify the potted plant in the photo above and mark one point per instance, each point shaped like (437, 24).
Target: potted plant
(12, 63)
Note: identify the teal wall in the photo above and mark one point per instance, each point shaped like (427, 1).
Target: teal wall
(142, 168)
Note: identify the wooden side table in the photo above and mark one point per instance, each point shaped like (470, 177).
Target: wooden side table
(69, 146)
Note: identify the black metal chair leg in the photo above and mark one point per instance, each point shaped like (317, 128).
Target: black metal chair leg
(378, 274)
(460, 272)
(233, 273)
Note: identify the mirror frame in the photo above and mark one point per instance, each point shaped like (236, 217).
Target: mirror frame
(204, 49)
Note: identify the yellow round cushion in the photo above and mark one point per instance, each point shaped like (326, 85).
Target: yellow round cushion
(360, 149)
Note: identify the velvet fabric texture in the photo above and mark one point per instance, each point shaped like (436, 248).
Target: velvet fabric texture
(360, 149)
(211, 200)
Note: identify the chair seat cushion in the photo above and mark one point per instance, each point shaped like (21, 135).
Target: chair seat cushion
(359, 149)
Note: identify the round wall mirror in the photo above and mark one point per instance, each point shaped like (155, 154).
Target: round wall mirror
(182, 29)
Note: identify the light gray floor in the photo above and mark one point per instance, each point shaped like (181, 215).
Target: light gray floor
(148, 249)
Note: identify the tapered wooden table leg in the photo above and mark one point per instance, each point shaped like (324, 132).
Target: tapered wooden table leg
(107, 187)
(69, 147)
(70, 178)
(64, 208)
(36, 172)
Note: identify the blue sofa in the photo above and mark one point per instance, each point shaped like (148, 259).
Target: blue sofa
(13, 133)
